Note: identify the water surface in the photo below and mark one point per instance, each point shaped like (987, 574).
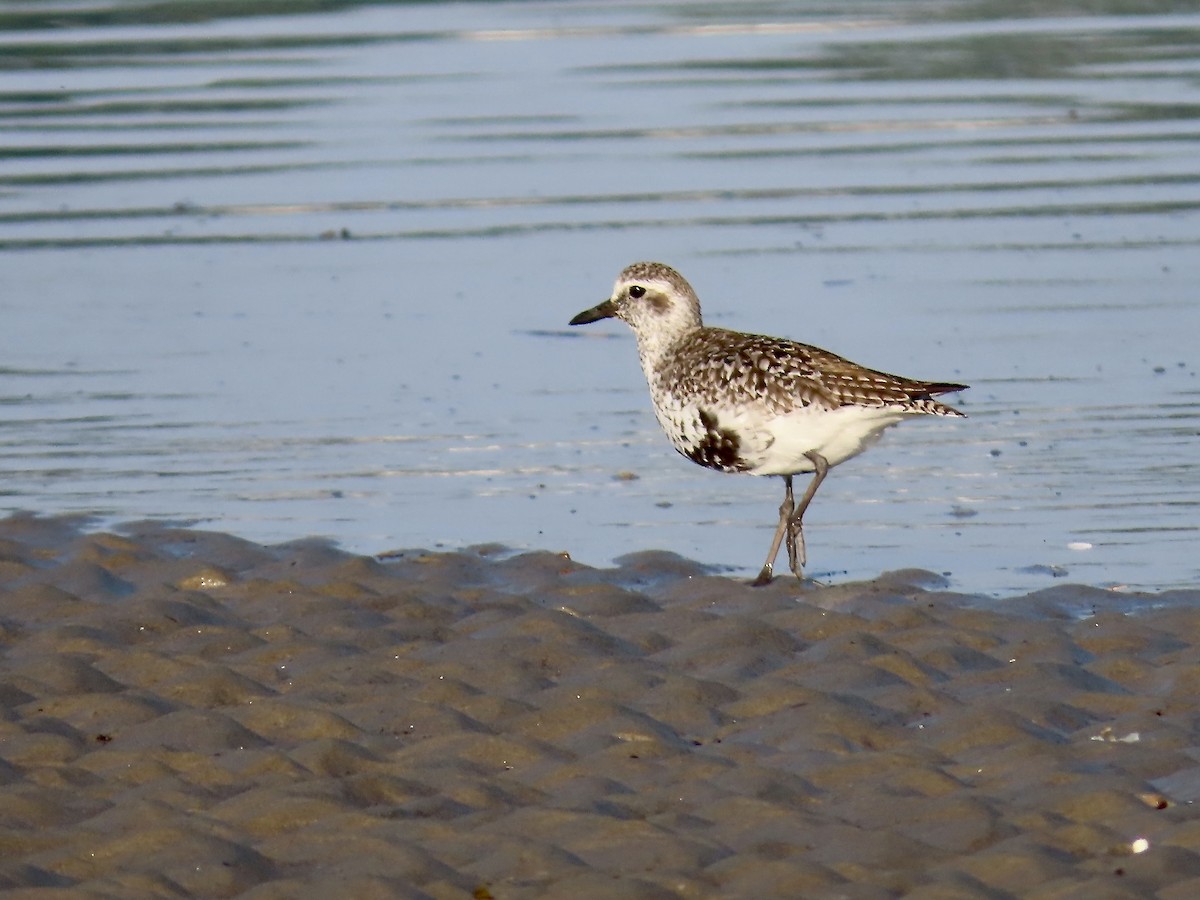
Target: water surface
(309, 273)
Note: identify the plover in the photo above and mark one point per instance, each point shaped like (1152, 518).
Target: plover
(756, 404)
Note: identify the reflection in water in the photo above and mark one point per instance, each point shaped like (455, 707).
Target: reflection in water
(309, 273)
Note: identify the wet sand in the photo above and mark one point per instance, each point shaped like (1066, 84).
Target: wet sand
(186, 714)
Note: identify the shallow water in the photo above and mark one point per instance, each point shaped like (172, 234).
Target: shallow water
(310, 273)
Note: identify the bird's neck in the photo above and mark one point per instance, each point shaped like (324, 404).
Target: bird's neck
(658, 346)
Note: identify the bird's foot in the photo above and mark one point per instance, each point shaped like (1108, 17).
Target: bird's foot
(764, 577)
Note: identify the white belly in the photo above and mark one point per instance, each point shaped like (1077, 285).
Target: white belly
(776, 446)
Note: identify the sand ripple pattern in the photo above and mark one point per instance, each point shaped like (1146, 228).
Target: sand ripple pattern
(188, 714)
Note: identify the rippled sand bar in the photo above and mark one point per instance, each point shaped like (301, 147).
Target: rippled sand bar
(187, 714)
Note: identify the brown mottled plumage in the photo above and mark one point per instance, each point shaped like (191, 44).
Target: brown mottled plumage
(717, 365)
(751, 403)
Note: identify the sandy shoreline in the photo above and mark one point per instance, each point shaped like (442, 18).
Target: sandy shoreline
(184, 713)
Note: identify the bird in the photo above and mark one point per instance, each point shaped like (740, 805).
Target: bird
(750, 403)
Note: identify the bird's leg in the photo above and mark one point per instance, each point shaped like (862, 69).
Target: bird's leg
(796, 520)
(797, 552)
(785, 517)
(794, 533)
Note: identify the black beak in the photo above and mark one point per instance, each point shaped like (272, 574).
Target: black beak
(605, 310)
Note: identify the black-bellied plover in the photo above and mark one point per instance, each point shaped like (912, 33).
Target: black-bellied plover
(750, 403)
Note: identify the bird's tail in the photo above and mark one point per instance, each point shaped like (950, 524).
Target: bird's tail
(932, 407)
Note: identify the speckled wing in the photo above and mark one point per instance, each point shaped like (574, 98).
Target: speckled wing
(784, 375)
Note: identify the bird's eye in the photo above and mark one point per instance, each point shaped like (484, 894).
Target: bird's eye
(637, 291)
